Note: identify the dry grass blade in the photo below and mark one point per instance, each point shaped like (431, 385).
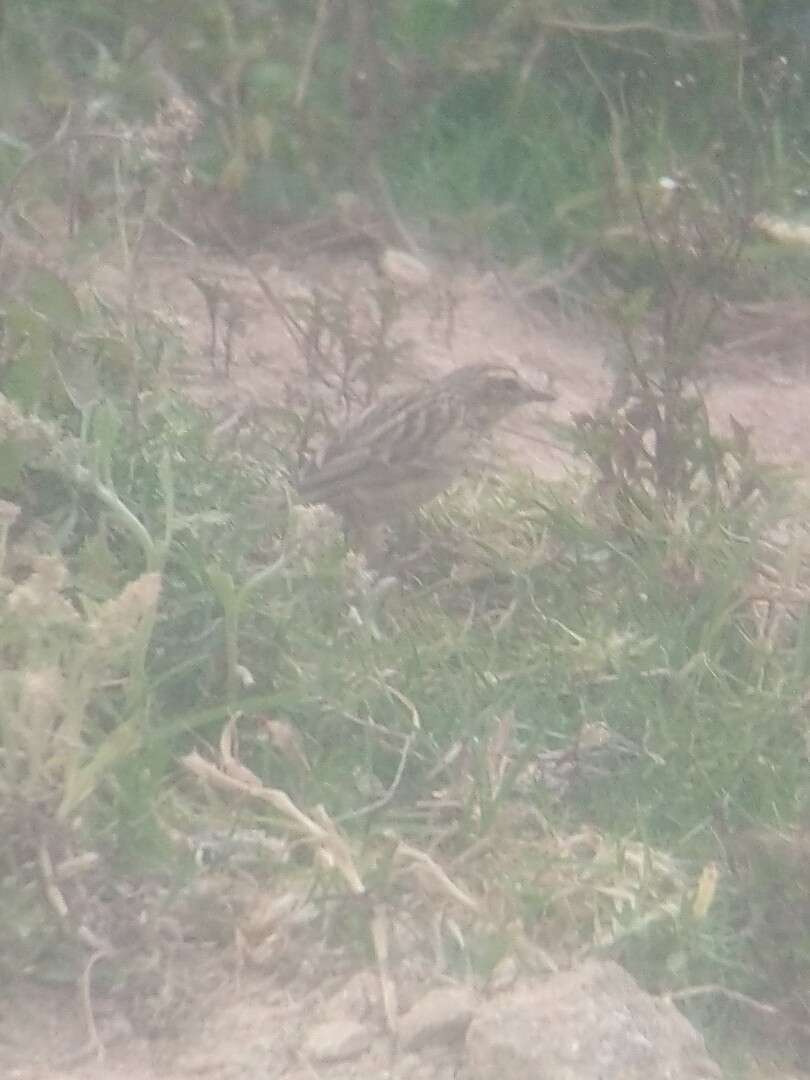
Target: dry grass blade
(380, 937)
(332, 849)
(53, 894)
(235, 777)
(732, 995)
(431, 877)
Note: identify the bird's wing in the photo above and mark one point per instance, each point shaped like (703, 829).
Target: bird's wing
(389, 441)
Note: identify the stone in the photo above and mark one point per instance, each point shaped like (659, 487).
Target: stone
(337, 1040)
(404, 269)
(591, 1023)
(442, 1015)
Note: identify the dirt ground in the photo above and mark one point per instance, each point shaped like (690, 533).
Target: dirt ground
(763, 381)
(761, 369)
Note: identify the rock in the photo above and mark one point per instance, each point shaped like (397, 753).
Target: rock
(442, 1015)
(592, 1023)
(405, 270)
(337, 1040)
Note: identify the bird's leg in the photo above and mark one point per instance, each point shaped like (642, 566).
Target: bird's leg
(410, 546)
(367, 539)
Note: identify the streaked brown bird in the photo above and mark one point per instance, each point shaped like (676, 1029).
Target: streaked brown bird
(409, 447)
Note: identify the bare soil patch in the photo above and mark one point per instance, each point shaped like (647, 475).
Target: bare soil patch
(761, 375)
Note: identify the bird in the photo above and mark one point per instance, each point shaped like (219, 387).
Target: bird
(409, 447)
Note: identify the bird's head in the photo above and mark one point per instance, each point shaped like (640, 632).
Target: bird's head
(491, 391)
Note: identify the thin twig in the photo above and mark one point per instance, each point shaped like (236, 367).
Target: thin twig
(616, 124)
(388, 207)
(293, 327)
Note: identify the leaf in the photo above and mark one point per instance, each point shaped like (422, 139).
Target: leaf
(261, 128)
(110, 350)
(106, 427)
(49, 296)
(232, 177)
(267, 80)
(23, 380)
(223, 586)
(80, 380)
(97, 568)
(82, 780)
(12, 459)
(634, 306)
(25, 326)
(29, 341)
(166, 477)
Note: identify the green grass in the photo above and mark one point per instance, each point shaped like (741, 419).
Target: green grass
(527, 609)
(506, 149)
(424, 715)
